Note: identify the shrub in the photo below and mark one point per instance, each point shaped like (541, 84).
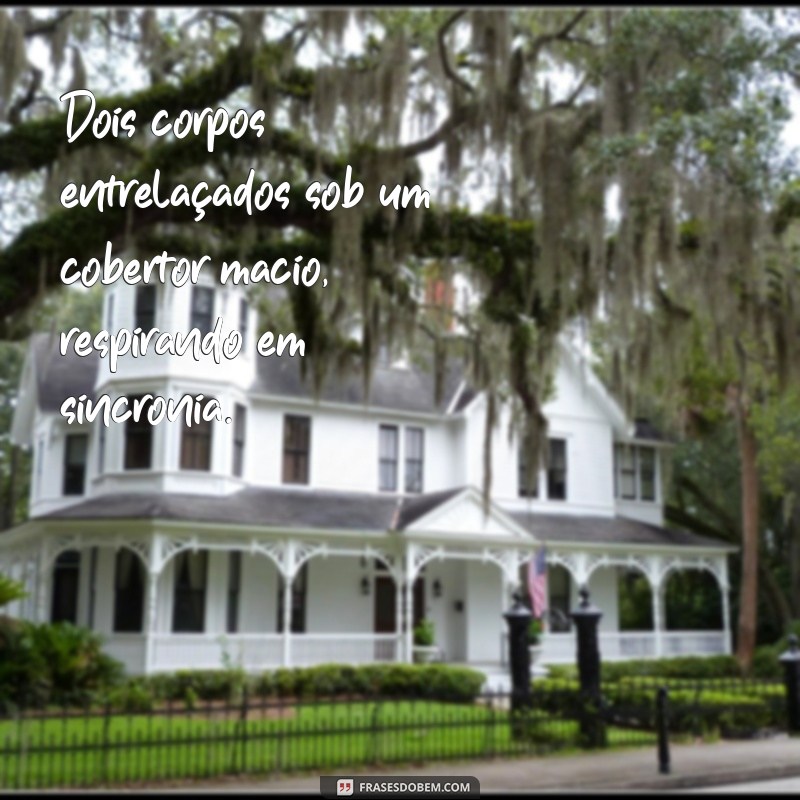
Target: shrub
(77, 666)
(424, 633)
(133, 698)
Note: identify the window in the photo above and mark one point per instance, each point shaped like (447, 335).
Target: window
(557, 470)
(196, 444)
(66, 579)
(138, 438)
(202, 309)
(296, 446)
(527, 484)
(631, 462)
(647, 473)
(244, 319)
(76, 446)
(389, 441)
(189, 606)
(234, 586)
(239, 433)
(129, 582)
(298, 613)
(145, 314)
(415, 446)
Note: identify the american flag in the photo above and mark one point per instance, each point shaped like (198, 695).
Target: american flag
(537, 582)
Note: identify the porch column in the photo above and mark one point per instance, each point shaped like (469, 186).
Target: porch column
(42, 572)
(726, 619)
(658, 618)
(408, 603)
(724, 588)
(398, 612)
(288, 579)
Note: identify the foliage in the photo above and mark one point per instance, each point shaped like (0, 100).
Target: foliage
(535, 629)
(10, 590)
(424, 634)
(45, 663)
(683, 667)
(434, 681)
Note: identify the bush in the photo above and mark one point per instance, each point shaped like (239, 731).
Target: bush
(52, 663)
(424, 633)
(687, 667)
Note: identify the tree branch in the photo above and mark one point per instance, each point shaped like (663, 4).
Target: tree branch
(446, 66)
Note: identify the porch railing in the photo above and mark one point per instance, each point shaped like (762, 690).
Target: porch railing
(211, 650)
(559, 648)
(347, 648)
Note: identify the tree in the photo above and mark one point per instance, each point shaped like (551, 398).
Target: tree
(679, 110)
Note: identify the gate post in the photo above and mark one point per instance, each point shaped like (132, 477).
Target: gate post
(518, 618)
(791, 670)
(587, 619)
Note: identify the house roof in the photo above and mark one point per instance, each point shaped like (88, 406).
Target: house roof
(401, 389)
(607, 530)
(340, 511)
(59, 377)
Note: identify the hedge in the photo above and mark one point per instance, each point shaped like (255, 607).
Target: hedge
(429, 681)
(689, 667)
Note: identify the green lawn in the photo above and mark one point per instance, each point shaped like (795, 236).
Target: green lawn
(70, 751)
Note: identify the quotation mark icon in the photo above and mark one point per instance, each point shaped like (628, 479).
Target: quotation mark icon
(344, 787)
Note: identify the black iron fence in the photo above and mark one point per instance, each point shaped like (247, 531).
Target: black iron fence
(258, 735)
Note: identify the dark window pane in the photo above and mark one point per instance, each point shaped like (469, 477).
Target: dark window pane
(627, 472)
(415, 446)
(189, 605)
(388, 454)
(66, 579)
(557, 470)
(76, 446)
(558, 581)
(196, 444)
(234, 587)
(145, 316)
(202, 309)
(296, 448)
(129, 583)
(647, 473)
(138, 438)
(239, 433)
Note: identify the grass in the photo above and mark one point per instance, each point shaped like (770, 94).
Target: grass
(91, 750)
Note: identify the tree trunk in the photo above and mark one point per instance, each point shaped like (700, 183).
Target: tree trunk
(748, 602)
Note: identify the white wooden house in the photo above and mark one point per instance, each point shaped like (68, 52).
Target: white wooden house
(307, 531)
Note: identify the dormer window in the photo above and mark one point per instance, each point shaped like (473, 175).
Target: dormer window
(202, 309)
(76, 447)
(145, 312)
(635, 473)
